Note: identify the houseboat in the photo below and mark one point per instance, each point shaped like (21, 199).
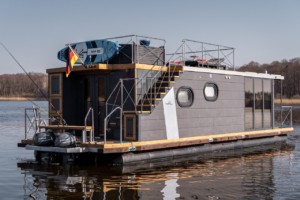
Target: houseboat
(127, 100)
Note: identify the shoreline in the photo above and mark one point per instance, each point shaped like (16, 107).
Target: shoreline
(21, 99)
(287, 102)
(293, 102)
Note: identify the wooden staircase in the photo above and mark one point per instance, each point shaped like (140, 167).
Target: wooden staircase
(156, 93)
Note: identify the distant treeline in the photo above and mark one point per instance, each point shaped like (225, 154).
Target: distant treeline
(290, 69)
(20, 85)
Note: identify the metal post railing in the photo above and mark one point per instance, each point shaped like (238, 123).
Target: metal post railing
(122, 93)
(34, 121)
(91, 110)
(289, 113)
(121, 123)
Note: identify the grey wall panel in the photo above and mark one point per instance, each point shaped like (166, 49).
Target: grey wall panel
(208, 112)
(152, 127)
(211, 122)
(225, 115)
(202, 103)
(153, 135)
(159, 124)
(209, 130)
(199, 84)
(211, 77)
(195, 122)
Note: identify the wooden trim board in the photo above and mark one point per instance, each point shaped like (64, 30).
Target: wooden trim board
(61, 127)
(113, 67)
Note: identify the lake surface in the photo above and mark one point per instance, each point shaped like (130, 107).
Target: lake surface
(255, 174)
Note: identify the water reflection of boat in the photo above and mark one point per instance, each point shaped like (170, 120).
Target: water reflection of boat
(249, 172)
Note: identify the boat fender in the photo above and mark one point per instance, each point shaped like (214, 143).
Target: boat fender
(65, 140)
(44, 139)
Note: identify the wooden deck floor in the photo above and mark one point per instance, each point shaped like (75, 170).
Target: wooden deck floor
(183, 142)
(126, 146)
(66, 127)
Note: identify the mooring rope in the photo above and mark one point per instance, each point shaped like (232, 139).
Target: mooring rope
(35, 84)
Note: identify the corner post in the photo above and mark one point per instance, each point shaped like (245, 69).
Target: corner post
(121, 125)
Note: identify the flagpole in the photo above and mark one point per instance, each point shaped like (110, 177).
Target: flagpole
(76, 55)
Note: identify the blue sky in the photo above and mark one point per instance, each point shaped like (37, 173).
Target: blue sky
(259, 30)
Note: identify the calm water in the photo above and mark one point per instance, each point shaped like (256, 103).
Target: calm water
(273, 174)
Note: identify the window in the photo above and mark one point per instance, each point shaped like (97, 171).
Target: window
(55, 98)
(258, 103)
(130, 127)
(55, 84)
(211, 91)
(249, 103)
(258, 100)
(185, 96)
(55, 105)
(267, 113)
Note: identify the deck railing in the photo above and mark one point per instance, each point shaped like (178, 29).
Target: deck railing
(90, 112)
(121, 123)
(134, 92)
(134, 40)
(32, 120)
(203, 54)
(286, 116)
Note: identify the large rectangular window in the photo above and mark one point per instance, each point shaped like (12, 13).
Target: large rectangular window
(249, 103)
(267, 103)
(258, 103)
(258, 90)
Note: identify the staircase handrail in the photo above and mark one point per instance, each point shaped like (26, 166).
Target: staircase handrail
(138, 81)
(121, 126)
(91, 110)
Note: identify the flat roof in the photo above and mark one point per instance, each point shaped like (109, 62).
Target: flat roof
(233, 73)
(165, 68)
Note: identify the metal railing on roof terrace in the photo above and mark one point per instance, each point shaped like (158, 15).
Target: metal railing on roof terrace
(134, 40)
(201, 54)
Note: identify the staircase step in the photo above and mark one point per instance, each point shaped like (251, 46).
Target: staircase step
(148, 102)
(159, 84)
(176, 73)
(155, 96)
(160, 89)
(166, 78)
(154, 99)
(161, 93)
(149, 98)
(164, 83)
(146, 105)
(137, 112)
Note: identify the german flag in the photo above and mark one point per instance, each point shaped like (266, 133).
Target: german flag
(68, 68)
(72, 58)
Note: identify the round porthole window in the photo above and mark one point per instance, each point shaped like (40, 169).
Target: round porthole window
(185, 96)
(211, 91)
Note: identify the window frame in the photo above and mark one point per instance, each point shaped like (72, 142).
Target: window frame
(183, 105)
(215, 97)
(59, 76)
(134, 135)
